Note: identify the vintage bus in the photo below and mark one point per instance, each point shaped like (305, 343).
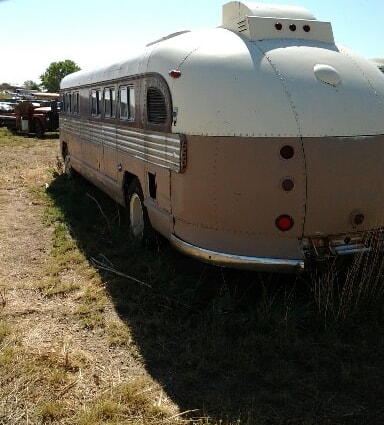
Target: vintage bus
(257, 145)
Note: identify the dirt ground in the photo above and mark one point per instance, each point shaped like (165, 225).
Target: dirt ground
(43, 325)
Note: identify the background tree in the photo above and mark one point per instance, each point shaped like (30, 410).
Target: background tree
(6, 86)
(31, 85)
(56, 72)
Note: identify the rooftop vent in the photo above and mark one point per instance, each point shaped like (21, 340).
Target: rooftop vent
(259, 21)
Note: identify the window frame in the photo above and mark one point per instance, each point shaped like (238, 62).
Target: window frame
(76, 103)
(130, 103)
(95, 100)
(109, 102)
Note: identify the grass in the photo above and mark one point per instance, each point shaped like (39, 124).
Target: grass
(245, 347)
(228, 347)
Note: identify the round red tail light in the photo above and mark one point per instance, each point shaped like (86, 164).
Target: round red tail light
(284, 222)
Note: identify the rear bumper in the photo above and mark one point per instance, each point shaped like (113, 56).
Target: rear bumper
(321, 247)
(238, 261)
(315, 249)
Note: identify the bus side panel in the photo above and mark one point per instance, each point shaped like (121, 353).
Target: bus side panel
(70, 135)
(110, 163)
(158, 199)
(92, 146)
(154, 181)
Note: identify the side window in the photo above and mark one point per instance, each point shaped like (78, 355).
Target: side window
(123, 96)
(156, 106)
(109, 103)
(127, 103)
(76, 105)
(95, 103)
(131, 102)
(68, 102)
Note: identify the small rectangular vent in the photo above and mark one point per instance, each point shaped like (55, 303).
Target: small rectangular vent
(242, 25)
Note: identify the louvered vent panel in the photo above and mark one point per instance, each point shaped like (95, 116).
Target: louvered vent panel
(242, 25)
(156, 108)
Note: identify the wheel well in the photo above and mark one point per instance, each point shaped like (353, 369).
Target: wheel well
(128, 178)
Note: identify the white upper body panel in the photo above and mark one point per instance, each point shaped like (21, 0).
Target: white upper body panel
(235, 82)
(273, 87)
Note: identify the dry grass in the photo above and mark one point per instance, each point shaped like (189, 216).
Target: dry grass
(57, 323)
(94, 330)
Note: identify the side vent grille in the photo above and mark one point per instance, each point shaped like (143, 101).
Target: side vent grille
(156, 107)
(242, 25)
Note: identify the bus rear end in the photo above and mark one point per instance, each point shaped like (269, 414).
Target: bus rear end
(285, 148)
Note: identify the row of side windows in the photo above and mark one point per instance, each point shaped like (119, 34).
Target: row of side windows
(126, 102)
(107, 98)
(109, 104)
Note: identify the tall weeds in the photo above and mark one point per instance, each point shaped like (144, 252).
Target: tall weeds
(353, 289)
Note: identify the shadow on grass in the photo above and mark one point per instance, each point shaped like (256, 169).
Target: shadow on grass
(240, 347)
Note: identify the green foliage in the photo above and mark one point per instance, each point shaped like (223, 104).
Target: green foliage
(31, 85)
(56, 72)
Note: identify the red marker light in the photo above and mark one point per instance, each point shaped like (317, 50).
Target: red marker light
(284, 222)
(287, 152)
(287, 184)
(175, 73)
(358, 219)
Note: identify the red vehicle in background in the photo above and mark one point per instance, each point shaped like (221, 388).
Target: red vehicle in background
(37, 114)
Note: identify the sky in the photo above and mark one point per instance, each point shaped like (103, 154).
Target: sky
(92, 33)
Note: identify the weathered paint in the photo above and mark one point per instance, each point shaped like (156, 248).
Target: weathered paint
(270, 76)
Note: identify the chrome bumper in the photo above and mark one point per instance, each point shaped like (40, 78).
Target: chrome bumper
(238, 261)
(323, 247)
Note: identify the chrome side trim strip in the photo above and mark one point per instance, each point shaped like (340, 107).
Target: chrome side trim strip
(237, 261)
(167, 151)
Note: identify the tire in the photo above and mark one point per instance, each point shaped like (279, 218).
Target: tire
(139, 225)
(39, 131)
(69, 171)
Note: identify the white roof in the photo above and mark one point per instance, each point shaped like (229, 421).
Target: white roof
(261, 81)
(237, 9)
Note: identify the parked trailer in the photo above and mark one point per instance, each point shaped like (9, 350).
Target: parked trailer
(256, 145)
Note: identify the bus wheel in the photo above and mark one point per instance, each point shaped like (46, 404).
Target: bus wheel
(68, 170)
(138, 217)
